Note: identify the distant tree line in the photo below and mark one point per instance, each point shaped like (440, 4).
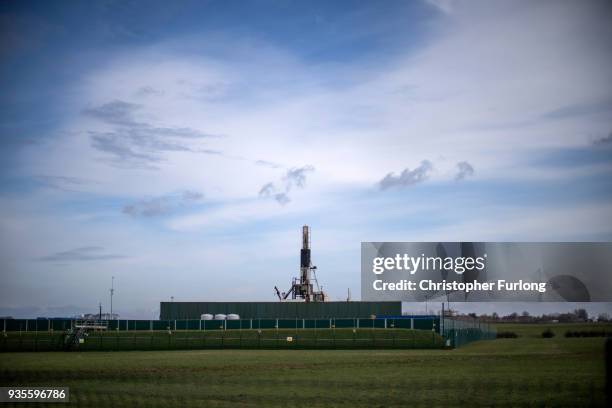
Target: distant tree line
(578, 315)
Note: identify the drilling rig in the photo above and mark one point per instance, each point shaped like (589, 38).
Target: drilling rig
(303, 288)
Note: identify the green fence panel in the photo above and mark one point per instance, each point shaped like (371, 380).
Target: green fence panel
(289, 323)
(14, 325)
(233, 324)
(193, 325)
(309, 323)
(141, 325)
(379, 323)
(60, 324)
(344, 323)
(366, 323)
(402, 323)
(322, 323)
(214, 325)
(460, 332)
(161, 324)
(423, 324)
(267, 323)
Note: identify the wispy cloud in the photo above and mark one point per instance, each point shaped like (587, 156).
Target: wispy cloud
(192, 195)
(115, 112)
(163, 205)
(581, 109)
(607, 140)
(133, 143)
(88, 253)
(269, 164)
(122, 150)
(148, 91)
(464, 170)
(63, 183)
(407, 177)
(295, 177)
(269, 190)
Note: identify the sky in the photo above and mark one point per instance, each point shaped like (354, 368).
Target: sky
(180, 146)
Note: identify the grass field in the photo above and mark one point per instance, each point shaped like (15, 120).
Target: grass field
(528, 370)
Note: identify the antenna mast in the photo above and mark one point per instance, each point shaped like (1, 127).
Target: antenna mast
(112, 292)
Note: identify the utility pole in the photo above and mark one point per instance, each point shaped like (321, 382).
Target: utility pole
(100, 316)
(112, 291)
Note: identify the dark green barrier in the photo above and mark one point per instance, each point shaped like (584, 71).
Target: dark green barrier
(48, 333)
(461, 332)
(161, 324)
(344, 323)
(233, 324)
(266, 324)
(309, 324)
(43, 325)
(226, 339)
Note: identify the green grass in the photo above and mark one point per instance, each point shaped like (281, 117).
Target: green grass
(507, 372)
(234, 339)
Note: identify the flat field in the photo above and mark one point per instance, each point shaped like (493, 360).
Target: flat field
(526, 371)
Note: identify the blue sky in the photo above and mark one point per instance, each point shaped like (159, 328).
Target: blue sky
(180, 146)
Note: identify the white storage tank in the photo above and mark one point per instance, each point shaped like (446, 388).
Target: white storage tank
(233, 316)
(206, 316)
(220, 316)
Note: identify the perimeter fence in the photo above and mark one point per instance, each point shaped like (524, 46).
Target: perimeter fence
(428, 331)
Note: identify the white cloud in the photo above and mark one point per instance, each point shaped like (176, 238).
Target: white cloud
(492, 71)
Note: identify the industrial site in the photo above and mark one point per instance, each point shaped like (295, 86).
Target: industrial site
(300, 317)
(304, 299)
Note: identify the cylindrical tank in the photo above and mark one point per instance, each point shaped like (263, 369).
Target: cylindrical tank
(220, 316)
(206, 316)
(233, 316)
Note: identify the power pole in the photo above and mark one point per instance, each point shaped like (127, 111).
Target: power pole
(112, 291)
